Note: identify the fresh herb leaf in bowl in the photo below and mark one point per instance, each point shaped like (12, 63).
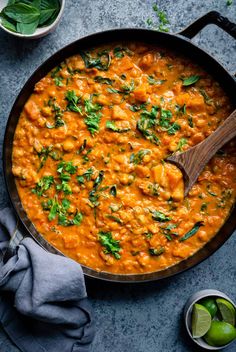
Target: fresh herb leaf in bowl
(27, 15)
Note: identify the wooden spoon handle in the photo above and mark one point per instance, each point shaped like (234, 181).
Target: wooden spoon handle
(223, 134)
(194, 159)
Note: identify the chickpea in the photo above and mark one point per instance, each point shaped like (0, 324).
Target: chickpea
(68, 146)
(46, 111)
(126, 179)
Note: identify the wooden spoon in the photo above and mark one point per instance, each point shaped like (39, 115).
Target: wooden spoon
(192, 162)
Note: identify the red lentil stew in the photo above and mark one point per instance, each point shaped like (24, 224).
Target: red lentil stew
(89, 151)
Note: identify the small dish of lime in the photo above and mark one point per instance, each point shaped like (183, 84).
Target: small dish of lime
(210, 319)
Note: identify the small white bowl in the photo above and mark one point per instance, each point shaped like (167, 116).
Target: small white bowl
(188, 312)
(40, 32)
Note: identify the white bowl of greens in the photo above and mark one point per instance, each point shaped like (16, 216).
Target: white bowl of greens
(30, 18)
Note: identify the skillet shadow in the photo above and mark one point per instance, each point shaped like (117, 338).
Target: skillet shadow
(102, 290)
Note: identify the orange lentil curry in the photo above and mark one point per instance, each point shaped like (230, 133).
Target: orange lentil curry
(89, 158)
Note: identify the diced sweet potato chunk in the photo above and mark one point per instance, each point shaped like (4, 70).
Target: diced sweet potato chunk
(126, 63)
(118, 113)
(146, 61)
(158, 173)
(31, 110)
(178, 193)
(174, 175)
(140, 93)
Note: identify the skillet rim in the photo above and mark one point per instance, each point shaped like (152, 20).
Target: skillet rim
(203, 253)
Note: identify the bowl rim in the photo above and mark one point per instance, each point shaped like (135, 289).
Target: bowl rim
(196, 297)
(43, 30)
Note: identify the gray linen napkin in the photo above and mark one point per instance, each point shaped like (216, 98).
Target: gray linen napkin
(43, 304)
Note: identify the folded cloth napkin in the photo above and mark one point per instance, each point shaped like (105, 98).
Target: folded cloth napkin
(43, 304)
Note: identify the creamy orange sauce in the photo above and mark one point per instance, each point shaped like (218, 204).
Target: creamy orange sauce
(89, 153)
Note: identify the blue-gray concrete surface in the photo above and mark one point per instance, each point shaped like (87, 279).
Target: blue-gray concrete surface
(129, 318)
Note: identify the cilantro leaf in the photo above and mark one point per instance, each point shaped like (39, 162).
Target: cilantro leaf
(73, 100)
(159, 216)
(102, 61)
(93, 116)
(156, 252)
(104, 80)
(43, 185)
(112, 126)
(138, 157)
(111, 246)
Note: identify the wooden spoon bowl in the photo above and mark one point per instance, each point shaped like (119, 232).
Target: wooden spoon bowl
(192, 162)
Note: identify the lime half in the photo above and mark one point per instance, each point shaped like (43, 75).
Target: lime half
(220, 333)
(201, 320)
(227, 310)
(210, 305)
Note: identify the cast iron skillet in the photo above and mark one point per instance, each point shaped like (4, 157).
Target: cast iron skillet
(179, 44)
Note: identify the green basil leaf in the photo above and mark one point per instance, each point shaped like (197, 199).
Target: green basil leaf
(22, 13)
(188, 81)
(7, 23)
(27, 28)
(34, 3)
(114, 218)
(159, 216)
(156, 252)
(113, 190)
(49, 9)
(104, 80)
(192, 232)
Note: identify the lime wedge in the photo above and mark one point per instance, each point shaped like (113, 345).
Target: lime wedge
(227, 310)
(220, 333)
(201, 320)
(210, 304)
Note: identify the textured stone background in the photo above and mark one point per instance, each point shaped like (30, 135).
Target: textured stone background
(147, 317)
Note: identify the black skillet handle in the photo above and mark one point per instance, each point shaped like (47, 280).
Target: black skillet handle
(212, 17)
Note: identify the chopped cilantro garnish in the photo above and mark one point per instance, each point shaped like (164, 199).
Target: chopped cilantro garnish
(43, 185)
(110, 125)
(159, 216)
(93, 116)
(152, 81)
(104, 80)
(58, 81)
(182, 142)
(167, 231)
(138, 157)
(111, 245)
(73, 100)
(66, 166)
(137, 107)
(156, 252)
(148, 120)
(102, 61)
(60, 210)
(86, 176)
(114, 218)
(121, 52)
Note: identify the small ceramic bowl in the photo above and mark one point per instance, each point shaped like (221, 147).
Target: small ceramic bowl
(188, 312)
(40, 32)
